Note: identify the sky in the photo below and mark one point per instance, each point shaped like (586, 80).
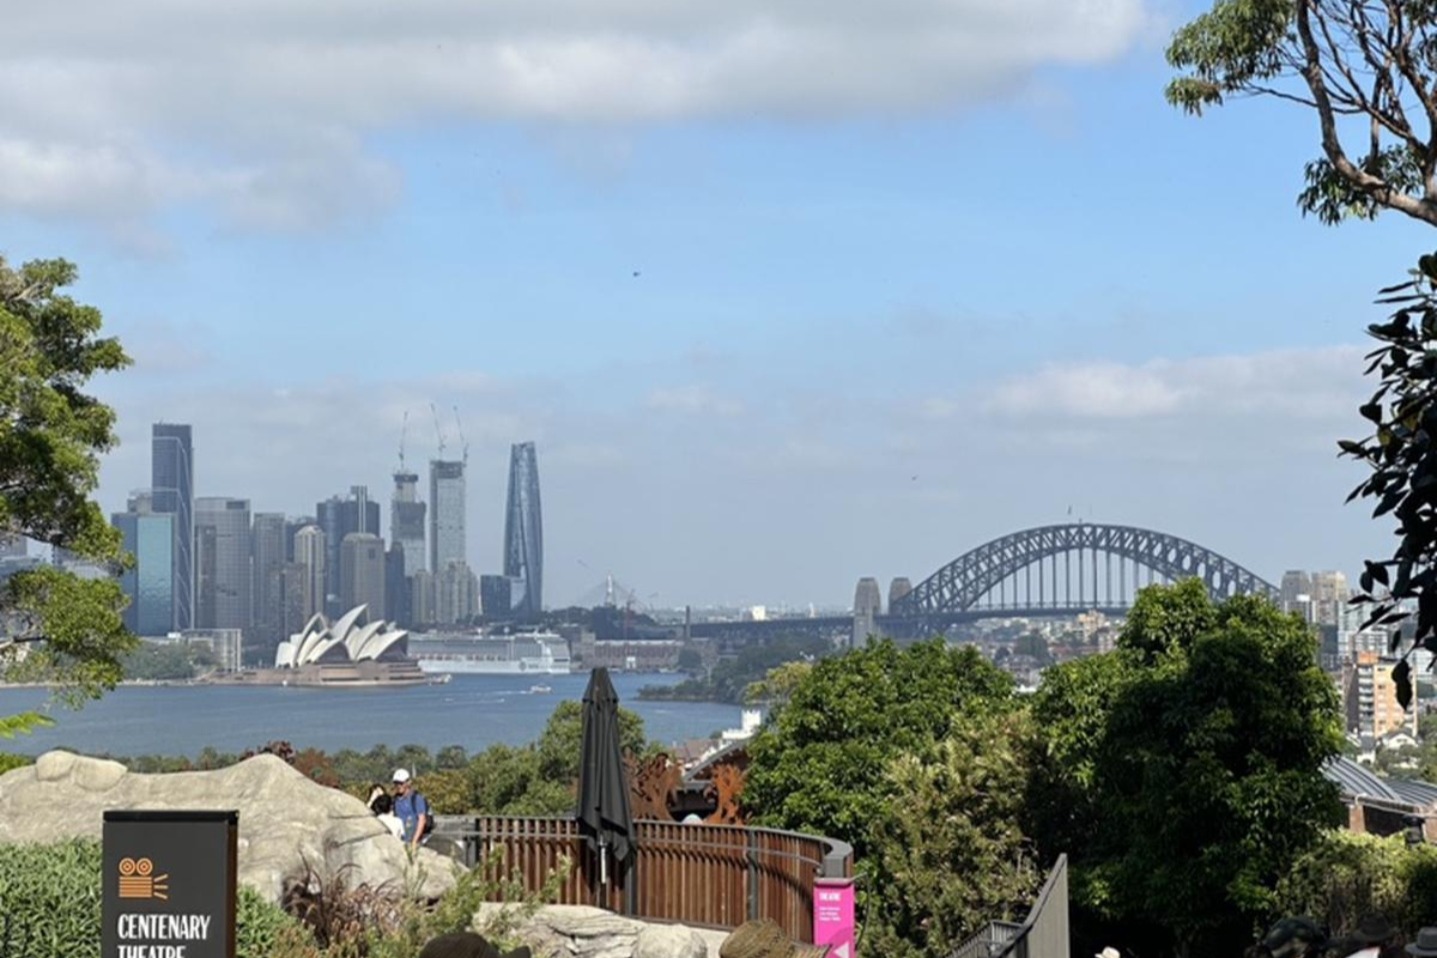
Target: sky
(786, 293)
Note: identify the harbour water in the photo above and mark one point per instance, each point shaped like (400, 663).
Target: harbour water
(473, 711)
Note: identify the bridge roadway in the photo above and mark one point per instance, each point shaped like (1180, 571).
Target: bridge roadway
(897, 626)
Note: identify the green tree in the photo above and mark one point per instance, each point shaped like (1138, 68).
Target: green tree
(949, 854)
(1403, 461)
(158, 661)
(562, 740)
(1345, 877)
(819, 764)
(1365, 70)
(1191, 761)
(777, 687)
(57, 626)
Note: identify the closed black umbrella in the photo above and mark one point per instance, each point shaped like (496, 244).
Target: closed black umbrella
(604, 817)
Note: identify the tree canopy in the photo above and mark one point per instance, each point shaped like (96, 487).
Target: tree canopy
(1365, 70)
(1183, 771)
(820, 764)
(55, 625)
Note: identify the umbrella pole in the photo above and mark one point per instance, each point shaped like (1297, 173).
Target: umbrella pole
(603, 863)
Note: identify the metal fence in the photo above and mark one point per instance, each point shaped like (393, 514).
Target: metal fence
(1043, 934)
(716, 876)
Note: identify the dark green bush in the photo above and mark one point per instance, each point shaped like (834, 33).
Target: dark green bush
(50, 894)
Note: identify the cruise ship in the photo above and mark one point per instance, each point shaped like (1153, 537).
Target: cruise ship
(527, 653)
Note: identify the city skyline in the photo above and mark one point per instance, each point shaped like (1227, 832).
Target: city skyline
(776, 325)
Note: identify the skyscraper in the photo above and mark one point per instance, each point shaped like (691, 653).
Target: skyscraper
(267, 559)
(150, 582)
(406, 520)
(172, 484)
(447, 525)
(222, 557)
(312, 553)
(339, 518)
(362, 573)
(524, 531)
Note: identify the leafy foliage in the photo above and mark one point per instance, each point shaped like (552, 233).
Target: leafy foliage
(51, 894)
(950, 855)
(1183, 771)
(9, 762)
(1402, 454)
(819, 766)
(1346, 60)
(159, 661)
(61, 628)
(1345, 877)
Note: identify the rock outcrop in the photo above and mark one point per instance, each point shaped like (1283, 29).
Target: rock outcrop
(584, 932)
(288, 825)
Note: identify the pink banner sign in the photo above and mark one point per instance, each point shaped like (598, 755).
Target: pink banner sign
(833, 915)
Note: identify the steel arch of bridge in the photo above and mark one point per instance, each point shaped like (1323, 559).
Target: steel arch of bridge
(959, 585)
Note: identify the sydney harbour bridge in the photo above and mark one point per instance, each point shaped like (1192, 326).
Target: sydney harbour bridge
(1056, 570)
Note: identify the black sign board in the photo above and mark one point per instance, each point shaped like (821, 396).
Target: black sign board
(169, 884)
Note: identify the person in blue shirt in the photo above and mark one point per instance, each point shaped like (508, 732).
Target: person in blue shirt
(411, 809)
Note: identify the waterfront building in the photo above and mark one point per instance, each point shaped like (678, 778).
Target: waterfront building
(267, 542)
(361, 561)
(447, 515)
(422, 598)
(496, 597)
(524, 533)
(149, 583)
(172, 490)
(396, 586)
(311, 550)
(296, 597)
(226, 644)
(457, 594)
(340, 518)
(222, 561)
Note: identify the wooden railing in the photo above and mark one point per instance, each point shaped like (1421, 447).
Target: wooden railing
(716, 876)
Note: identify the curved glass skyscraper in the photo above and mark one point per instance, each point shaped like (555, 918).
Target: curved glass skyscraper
(524, 531)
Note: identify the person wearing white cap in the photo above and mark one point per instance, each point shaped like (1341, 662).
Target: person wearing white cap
(411, 808)
(1109, 952)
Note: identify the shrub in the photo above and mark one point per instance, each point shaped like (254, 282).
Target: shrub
(51, 895)
(1347, 876)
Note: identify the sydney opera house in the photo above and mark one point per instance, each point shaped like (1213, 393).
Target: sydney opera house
(349, 652)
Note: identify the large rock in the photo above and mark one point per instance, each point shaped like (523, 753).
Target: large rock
(584, 932)
(288, 825)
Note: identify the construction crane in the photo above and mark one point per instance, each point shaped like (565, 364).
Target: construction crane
(438, 429)
(403, 432)
(464, 444)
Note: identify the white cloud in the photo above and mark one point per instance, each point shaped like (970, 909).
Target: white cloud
(1300, 383)
(121, 109)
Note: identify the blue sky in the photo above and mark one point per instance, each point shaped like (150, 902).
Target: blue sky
(954, 240)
